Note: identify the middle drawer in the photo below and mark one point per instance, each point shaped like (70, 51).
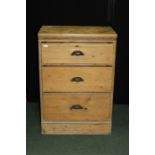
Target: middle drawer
(77, 79)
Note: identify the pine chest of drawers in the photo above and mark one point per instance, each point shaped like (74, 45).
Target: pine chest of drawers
(76, 67)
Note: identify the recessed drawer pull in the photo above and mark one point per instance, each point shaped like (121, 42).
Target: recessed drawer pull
(77, 53)
(77, 79)
(77, 106)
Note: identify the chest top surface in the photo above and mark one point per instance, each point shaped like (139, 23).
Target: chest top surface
(76, 31)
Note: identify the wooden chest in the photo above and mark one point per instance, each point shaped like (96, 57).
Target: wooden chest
(76, 66)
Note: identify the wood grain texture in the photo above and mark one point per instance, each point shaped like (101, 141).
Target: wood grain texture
(77, 40)
(58, 79)
(96, 106)
(76, 128)
(40, 78)
(76, 32)
(57, 69)
(93, 53)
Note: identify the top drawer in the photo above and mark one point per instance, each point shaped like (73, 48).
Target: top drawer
(77, 53)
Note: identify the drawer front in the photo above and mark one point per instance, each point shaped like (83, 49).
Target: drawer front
(77, 79)
(74, 53)
(77, 107)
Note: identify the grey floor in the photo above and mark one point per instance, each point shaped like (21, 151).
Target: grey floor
(115, 144)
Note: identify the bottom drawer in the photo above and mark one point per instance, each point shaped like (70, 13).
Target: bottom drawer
(77, 106)
(76, 128)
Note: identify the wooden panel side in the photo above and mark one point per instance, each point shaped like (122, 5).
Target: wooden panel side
(40, 78)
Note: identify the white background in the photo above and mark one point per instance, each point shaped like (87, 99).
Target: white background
(142, 77)
(13, 77)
